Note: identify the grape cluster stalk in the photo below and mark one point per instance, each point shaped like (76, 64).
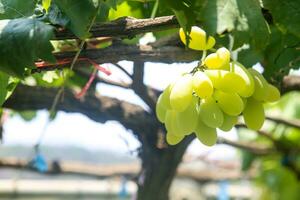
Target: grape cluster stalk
(213, 95)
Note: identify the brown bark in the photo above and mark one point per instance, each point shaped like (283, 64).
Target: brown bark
(125, 27)
(97, 108)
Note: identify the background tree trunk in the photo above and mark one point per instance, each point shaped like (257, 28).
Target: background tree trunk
(159, 167)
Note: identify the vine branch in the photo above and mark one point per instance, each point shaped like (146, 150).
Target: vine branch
(125, 27)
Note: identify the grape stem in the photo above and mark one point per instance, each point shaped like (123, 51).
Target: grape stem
(200, 65)
(203, 57)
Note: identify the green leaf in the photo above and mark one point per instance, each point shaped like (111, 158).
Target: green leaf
(22, 42)
(247, 160)
(4, 78)
(285, 13)
(80, 13)
(280, 180)
(243, 18)
(249, 57)
(282, 54)
(56, 17)
(16, 8)
(111, 3)
(27, 115)
(102, 13)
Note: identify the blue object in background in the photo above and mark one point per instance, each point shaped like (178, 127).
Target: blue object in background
(223, 192)
(123, 191)
(39, 163)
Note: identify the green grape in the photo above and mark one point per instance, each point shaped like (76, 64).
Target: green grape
(229, 122)
(187, 120)
(218, 60)
(181, 93)
(260, 91)
(248, 88)
(215, 76)
(173, 139)
(166, 96)
(198, 39)
(273, 93)
(212, 61)
(202, 85)
(254, 114)
(160, 110)
(230, 103)
(224, 54)
(232, 82)
(205, 134)
(244, 102)
(225, 80)
(210, 113)
(171, 123)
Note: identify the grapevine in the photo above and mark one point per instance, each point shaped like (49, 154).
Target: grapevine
(213, 95)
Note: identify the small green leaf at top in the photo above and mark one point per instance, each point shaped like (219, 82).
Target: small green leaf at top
(80, 14)
(22, 42)
(28, 115)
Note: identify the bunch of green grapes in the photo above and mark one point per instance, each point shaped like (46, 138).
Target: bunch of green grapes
(213, 95)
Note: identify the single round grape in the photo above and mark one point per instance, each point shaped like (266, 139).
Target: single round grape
(224, 54)
(198, 39)
(206, 135)
(218, 60)
(260, 91)
(246, 76)
(225, 80)
(210, 113)
(173, 139)
(273, 94)
(181, 93)
(230, 103)
(166, 96)
(187, 120)
(202, 85)
(160, 110)
(254, 114)
(244, 102)
(229, 122)
(171, 123)
(231, 82)
(212, 61)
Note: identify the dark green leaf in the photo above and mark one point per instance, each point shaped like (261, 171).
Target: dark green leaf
(56, 17)
(10, 9)
(80, 13)
(285, 13)
(282, 54)
(247, 160)
(22, 42)
(249, 57)
(111, 3)
(4, 78)
(102, 13)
